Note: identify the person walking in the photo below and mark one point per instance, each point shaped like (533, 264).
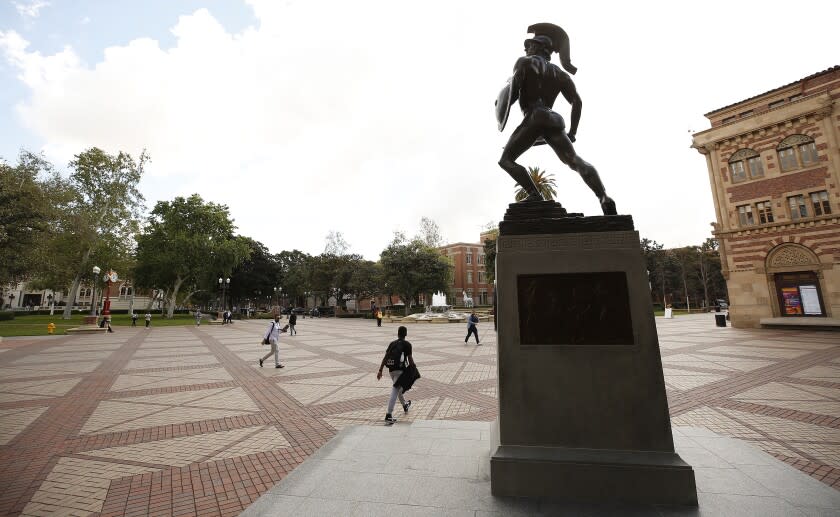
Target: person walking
(148, 319)
(292, 323)
(472, 322)
(273, 337)
(397, 359)
(198, 317)
(133, 319)
(378, 317)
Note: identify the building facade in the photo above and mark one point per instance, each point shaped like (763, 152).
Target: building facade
(774, 167)
(470, 274)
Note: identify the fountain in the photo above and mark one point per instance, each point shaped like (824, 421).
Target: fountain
(438, 312)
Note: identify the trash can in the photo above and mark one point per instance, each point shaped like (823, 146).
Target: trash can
(720, 320)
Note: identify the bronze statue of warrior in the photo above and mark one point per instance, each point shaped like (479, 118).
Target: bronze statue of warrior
(535, 83)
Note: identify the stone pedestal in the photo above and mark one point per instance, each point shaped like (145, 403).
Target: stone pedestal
(582, 408)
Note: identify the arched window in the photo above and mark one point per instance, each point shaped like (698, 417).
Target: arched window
(797, 151)
(745, 160)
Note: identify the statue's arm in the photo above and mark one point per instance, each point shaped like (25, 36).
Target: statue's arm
(518, 78)
(569, 91)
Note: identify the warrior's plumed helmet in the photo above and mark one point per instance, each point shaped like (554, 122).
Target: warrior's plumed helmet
(554, 39)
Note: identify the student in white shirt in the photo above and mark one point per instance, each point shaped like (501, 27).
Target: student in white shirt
(273, 337)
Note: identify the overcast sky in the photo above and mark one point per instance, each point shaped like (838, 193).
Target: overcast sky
(306, 117)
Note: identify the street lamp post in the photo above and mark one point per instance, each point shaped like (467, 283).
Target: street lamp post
(111, 276)
(224, 283)
(11, 297)
(96, 271)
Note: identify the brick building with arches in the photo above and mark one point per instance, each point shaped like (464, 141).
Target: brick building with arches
(774, 168)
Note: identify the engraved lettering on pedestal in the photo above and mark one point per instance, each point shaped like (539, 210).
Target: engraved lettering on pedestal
(574, 309)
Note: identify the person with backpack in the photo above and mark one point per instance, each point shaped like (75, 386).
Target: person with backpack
(472, 321)
(397, 359)
(272, 337)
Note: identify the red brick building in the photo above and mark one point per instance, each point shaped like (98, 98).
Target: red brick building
(774, 168)
(470, 274)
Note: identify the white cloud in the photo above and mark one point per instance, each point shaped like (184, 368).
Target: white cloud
(334, 116)
(30, 9)
(85, 20)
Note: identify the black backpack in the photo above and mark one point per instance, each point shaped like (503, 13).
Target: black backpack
(394, 355)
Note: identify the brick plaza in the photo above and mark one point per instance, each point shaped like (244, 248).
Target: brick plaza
(183, 421)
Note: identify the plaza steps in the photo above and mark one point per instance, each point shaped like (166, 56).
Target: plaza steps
(795, 322)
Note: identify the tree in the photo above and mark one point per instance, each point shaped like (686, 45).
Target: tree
(260, 272)
(187, 241)
(335, 244)
(411, 268)
(295, 267)
(490, 254)
(366, 280)
(708, 261)
(430, 233)
(32, 193)
(543, 181)
(99, 220)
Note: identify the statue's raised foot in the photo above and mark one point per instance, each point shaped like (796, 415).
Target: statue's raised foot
(608, 205)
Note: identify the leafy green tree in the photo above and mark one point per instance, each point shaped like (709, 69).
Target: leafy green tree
(97, 223)
(411, 268)
(295, 267)
(32, 193)
(490, 254)
(260, 272)
(187, 241)
(366, 281)
(543, 181)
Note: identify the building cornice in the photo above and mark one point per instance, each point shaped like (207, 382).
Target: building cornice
(776, 227)
(818, 106)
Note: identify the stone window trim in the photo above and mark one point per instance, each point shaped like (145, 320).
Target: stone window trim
(820, 203)
(745, 215)
(745, 164)
(798, 207)
(764, 211)
(796, 152)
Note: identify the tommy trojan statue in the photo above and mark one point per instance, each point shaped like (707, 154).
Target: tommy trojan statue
(535, 83)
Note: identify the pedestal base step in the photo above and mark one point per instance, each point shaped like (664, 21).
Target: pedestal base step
(592, 475)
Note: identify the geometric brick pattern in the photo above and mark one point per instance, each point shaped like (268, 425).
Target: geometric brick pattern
(776, 389)
(182, 420)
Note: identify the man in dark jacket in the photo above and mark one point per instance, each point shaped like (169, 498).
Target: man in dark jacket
(472, 321)
(292, 323)
(397, 358)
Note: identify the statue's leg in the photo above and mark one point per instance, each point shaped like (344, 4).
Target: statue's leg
(559, 141)
(521, 140)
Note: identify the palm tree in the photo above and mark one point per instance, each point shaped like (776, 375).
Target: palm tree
(543, 181)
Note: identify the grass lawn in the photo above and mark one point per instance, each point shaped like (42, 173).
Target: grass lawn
(36, 325)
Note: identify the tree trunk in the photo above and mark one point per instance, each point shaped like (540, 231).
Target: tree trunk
(171, 309)
(68, 309)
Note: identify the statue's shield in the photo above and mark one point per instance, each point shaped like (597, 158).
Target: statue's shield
(503, 105)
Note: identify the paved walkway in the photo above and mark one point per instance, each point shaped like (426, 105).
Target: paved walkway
(182, 420)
